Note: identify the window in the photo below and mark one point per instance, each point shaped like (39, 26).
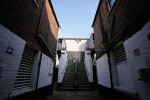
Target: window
(110, 3)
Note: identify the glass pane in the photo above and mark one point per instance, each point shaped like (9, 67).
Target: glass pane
(111, 2)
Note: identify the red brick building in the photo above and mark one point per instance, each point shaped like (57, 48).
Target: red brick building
(28, 43)
(116, 24)
(30, 19)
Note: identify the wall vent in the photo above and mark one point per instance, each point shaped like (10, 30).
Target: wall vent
(119, 53)
(23, 78)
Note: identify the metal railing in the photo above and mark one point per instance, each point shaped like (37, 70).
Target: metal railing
(76, 72)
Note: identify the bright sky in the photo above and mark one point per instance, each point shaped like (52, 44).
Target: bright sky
(76, 17)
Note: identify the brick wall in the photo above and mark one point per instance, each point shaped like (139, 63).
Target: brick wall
(22, 18)
(49, 27)
(99, 47)
(122, 21)
(76, 54)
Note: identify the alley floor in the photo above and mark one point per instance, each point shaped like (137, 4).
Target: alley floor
(75, 95)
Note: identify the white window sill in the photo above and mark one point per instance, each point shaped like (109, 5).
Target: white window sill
(126, 91)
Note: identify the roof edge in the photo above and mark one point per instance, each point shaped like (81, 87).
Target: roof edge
(54, 12)
(74, 38)
(96, 12)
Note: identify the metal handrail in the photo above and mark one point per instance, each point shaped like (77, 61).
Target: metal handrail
(76, 71)
(72, 59)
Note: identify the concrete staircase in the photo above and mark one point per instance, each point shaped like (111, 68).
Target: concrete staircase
(69, 77)
(82, 79)
(69, 82)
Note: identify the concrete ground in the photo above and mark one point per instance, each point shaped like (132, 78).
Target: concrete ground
(75, 95)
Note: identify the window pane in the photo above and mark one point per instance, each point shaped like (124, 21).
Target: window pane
(111, 2)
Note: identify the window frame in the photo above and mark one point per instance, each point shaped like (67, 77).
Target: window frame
(109, 4)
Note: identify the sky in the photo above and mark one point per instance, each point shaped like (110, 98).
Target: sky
(76, 17)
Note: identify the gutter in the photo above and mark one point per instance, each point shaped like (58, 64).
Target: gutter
(96, 12)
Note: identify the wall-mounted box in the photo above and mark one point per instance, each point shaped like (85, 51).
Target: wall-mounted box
(144, 74)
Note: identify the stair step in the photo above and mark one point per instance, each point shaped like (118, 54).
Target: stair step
(67, 88)
(68, 82)
(83, 83)
(66, 85)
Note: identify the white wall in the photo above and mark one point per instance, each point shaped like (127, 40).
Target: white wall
(9, 62)
(63, 61)
(46, 71)
(73, 45)
(103, 71)
(89, 65)
(57, 61)
(91, 40)
(121, 74)
(139, 41)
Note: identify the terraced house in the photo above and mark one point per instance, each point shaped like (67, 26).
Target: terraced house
(122, 43)
(28, 39)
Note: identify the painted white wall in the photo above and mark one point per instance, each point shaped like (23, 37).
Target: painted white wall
(57, 61)
(46, 71)
(121, 74)
(9, 63)
(74, 45)
(63, 61)
(90, 42)
(89, 65)
(139, 41)
(103, 71)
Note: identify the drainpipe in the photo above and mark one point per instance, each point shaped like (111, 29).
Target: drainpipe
(110, 69)
(38, 73)
(108, 55)
(37, 33)
(39, 24)
(55, 61)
